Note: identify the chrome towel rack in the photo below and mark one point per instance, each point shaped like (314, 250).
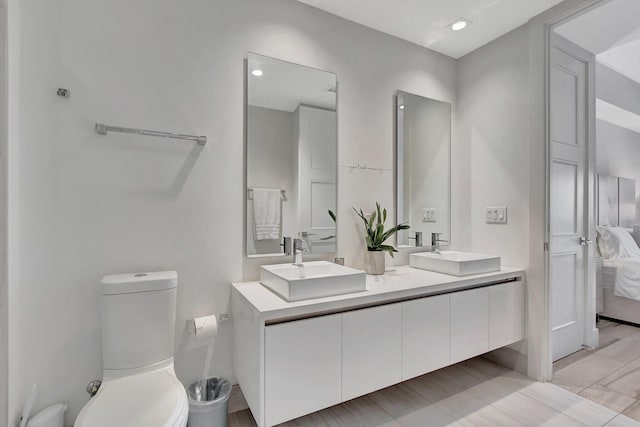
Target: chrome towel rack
(102, 129)
(283, 194)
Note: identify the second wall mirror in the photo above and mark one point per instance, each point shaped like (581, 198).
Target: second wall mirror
(291, 156)
(423, 167)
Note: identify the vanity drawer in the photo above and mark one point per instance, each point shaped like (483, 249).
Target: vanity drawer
(506, 314)
(302, 367)
(469, 323)
(425, 335)
(371, 349)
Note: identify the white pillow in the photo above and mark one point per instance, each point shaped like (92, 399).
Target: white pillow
(616, 243)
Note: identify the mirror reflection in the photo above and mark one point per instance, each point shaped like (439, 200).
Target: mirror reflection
(423, 147)
(291, 151)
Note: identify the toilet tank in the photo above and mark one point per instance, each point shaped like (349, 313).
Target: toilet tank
(138, 314)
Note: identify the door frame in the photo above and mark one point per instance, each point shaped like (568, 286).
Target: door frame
(590, 336)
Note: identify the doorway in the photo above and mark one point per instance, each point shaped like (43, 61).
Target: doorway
(599, 360)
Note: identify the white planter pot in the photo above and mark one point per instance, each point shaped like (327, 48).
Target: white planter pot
(374, 262)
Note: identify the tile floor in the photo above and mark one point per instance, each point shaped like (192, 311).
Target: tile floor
(476, 392)
(608, 375)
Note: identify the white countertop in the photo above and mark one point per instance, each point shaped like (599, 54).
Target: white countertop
(398, 283)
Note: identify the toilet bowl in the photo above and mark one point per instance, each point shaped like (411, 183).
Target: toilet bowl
(139, 385)
(154, 398)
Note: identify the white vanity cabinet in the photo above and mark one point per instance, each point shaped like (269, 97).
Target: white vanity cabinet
(371, 349)
(425, 335)
(302, 367)
(506, 314)
(295, 358)
(469, 323)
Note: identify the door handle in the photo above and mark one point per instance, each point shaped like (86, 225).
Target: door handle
(584, 241)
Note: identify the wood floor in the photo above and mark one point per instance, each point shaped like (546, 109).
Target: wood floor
(608, 375)
(476, 392)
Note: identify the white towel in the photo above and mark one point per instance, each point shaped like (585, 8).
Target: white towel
(266, 213)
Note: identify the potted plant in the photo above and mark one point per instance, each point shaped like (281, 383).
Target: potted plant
(375, 236)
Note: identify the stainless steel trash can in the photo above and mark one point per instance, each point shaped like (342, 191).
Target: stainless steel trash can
(208, 402)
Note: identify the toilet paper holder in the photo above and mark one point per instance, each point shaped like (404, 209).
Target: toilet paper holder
(191, 325)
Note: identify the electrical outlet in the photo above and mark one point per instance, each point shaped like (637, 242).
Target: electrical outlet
(429, 215)
(496, 215)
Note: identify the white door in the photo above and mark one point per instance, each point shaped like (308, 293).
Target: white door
(568, 207)
(317, 153)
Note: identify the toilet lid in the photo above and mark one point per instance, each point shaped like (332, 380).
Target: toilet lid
(146, 400)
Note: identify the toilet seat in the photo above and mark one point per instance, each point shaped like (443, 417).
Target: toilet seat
(150, 399)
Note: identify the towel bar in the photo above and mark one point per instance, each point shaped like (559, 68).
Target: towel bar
(102, 129)
(283, 194)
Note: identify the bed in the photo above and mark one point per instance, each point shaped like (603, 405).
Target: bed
(610, 305)
(618, 248)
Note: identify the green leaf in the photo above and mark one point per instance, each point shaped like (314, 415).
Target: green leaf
(375, 234)
(332, 215)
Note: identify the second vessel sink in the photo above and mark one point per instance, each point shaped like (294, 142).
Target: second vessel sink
(314, 279)
(455, 263)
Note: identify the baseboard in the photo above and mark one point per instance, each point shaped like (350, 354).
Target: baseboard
(625, 322)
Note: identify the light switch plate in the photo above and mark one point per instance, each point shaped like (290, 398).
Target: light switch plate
(496, 215)
(429, 215)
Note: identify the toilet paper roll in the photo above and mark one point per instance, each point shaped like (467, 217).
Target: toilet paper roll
(206, 327)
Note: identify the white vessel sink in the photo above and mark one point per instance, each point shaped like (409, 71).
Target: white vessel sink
(455, 263)
(314, 279)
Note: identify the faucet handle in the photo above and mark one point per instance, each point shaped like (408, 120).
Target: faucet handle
(417, 238)
(434, 238)
(287, 244)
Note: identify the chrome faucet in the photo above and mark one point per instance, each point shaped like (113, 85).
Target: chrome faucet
(297, 252)
(435, 242)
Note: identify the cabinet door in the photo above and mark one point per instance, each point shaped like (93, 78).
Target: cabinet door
(302, 367)
(469, 323)
(425, 335)
(371, 350)
(506, 314)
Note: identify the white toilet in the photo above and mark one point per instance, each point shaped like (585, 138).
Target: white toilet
(139, 385)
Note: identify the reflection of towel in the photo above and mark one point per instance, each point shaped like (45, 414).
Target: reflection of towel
(266, 213)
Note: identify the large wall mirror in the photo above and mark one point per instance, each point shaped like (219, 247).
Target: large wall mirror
(291, 156)
(423, 169)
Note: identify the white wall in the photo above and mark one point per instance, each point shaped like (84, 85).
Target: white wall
(4, 312)
(492, 111)
(13, 205)
(90, 205)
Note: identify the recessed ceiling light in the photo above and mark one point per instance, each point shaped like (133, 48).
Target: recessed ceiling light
(460, 24)
(257, 73)
(401, 107)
